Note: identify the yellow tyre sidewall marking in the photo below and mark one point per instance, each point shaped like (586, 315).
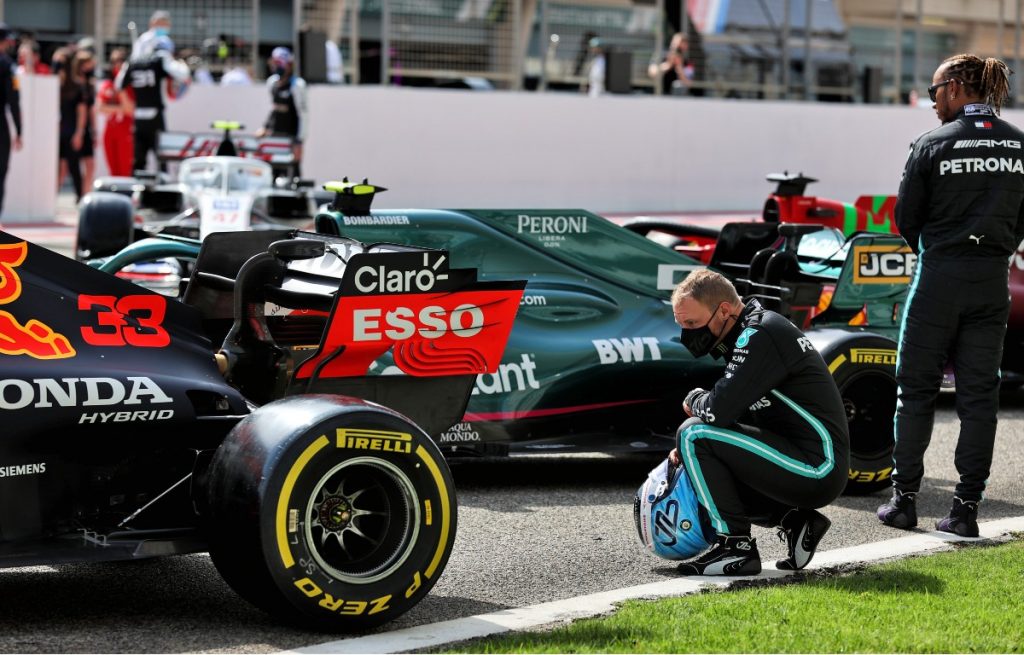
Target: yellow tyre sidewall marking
(445, 509)
(285, 497)
(836, 363)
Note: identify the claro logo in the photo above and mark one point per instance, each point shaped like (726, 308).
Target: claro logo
(380, 279)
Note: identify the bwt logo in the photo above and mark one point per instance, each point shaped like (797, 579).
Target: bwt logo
(635, 349)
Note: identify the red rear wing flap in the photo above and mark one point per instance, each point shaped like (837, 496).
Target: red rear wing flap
(435, 321)
(176, 146)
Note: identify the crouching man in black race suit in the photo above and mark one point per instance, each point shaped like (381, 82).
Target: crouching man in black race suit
(791, 453)
(961, 209)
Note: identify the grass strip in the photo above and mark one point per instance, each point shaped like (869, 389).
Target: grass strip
(970, 600)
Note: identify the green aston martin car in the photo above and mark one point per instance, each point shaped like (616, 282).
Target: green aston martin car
(594, 361)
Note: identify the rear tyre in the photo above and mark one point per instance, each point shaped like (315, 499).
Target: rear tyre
(330, 512)
(864, 368)
(104, 224)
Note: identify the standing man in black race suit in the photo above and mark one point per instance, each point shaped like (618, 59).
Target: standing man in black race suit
(9, 98)
(152, 63)
(961, 209)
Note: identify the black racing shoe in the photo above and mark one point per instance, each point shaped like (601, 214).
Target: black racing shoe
(962, 519)
(801, 529)
(727, 556)
(900, 511)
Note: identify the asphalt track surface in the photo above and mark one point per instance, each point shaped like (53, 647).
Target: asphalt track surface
(531, 529)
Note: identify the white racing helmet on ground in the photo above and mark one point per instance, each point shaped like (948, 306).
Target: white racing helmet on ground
(668, 516)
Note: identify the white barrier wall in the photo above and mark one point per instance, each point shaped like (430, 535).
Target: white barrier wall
(201, 105)
(448, 148)
(445, 148)
(32, 172)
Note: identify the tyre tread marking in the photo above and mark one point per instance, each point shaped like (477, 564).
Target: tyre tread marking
(445, 510)
(285, 497)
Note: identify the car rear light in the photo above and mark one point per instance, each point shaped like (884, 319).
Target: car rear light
(861, 318)
(824, 299)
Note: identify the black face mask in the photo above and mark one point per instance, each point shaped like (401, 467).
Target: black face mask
(700, 341)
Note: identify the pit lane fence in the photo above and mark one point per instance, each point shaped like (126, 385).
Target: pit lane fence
(871, 51)
(505, 44)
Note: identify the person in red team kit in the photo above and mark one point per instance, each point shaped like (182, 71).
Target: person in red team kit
(117, 106)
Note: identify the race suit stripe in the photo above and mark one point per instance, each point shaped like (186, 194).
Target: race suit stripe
(692, 433)
(903, 331)
(826, 438)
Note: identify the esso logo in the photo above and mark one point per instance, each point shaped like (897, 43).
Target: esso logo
(402, 323)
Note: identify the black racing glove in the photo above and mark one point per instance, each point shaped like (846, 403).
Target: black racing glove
(692, 396)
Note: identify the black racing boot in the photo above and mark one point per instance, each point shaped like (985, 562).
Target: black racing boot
(801, 529)
(962, 519)
(900, 511)
(729, 555)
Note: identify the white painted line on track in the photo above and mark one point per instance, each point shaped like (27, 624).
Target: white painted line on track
(535, 616)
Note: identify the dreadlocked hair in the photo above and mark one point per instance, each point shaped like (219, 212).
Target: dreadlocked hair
(990, 78)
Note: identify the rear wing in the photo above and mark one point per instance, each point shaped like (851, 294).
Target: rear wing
(176, 146)
(880, 211)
